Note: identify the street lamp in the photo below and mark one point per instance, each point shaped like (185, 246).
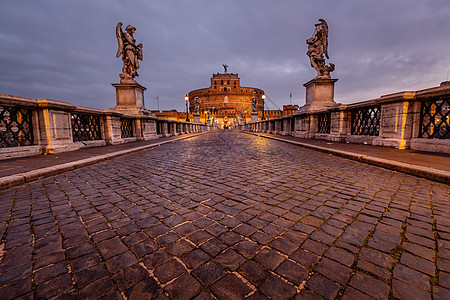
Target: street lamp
(263, 97)
(187, 109)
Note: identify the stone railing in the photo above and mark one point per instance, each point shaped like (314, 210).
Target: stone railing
(418, 120)
(35, 126)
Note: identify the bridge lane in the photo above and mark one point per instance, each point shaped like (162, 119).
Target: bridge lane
(228, 214)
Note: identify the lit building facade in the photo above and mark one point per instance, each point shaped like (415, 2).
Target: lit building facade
(225, 99)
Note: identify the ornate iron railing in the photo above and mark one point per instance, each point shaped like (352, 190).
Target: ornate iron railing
(324, 123)
(126, 126)
(366, 121)
(85, 127)
(16, 127)
(435, 119)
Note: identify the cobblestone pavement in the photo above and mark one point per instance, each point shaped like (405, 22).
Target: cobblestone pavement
(227, 216)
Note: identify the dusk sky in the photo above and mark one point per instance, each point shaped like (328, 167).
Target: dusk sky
(65, 50)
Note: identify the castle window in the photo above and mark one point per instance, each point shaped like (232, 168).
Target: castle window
(221, 82)
(224, 89)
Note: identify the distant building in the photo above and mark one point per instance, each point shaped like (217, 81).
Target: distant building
(225, 99)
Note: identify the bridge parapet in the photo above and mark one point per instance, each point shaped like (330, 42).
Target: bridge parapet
(34, 126)
(418, 120)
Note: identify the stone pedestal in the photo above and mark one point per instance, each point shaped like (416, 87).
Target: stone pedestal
(254, 117)
(319, 94)
(130, 98)
(196, 118)
(208, 122)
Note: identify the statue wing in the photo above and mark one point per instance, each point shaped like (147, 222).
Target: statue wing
(325, 37)
(119, 35)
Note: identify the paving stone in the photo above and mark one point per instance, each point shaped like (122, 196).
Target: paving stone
(99, 288)
(261, 238)
(111, 247)
(53, 287)
(230, 287)
(15, 274)
(334, 271)
(84, 262)
(374, 269)
(420, 251)
(411, 276)
(168, 270)
(292, 272)
(269, 258)
(184, 287)
(16, 289)
(247, 248)
(417, 263)
(230, 238)
(208, 273)
(444, 280)
(275, 288)
(116, 263)
(49, 272)
(314, 247)
(230, 259)
(167, 238)
(142, 248)
(351, 294)
(440, 293)
(179, 248)
(283, 245)
(304, 258)
(195, 258)
(403, 290)
(147, 288)
(213, 246)
(80, 250)
(370, 286)
(254, 272)
(340, 256)
(322, 286)
(90, 274)
(376, 257)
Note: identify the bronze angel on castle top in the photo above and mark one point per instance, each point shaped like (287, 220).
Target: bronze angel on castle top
(131, 53)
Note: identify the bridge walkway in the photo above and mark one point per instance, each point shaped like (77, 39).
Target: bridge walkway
(226, 215)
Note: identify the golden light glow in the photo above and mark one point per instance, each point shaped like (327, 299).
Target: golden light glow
(263, 97)
(186, 97)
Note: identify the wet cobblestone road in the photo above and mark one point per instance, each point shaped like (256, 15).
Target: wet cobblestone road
(227, 216)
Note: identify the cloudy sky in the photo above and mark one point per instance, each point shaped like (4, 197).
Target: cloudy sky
(65, 50)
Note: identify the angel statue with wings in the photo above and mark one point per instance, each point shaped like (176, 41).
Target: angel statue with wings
(318, 48)
(129, 51)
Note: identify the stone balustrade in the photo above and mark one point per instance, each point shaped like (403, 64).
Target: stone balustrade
(418, 120)
(34, 126)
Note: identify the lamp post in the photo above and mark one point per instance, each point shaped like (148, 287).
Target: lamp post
(262, 117)
(187, 108)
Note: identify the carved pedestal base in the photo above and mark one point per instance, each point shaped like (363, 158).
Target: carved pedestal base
(254, 117)
(130, 98)
(196, 118)
(319, 94)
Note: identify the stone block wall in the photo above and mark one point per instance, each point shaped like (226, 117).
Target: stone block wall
(404, 120)
(35, 126)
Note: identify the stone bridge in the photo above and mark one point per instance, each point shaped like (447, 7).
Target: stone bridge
(226, 215)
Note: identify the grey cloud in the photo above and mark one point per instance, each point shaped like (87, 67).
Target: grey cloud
(65, 50)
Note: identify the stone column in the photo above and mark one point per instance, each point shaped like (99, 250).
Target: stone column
(254, 117)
